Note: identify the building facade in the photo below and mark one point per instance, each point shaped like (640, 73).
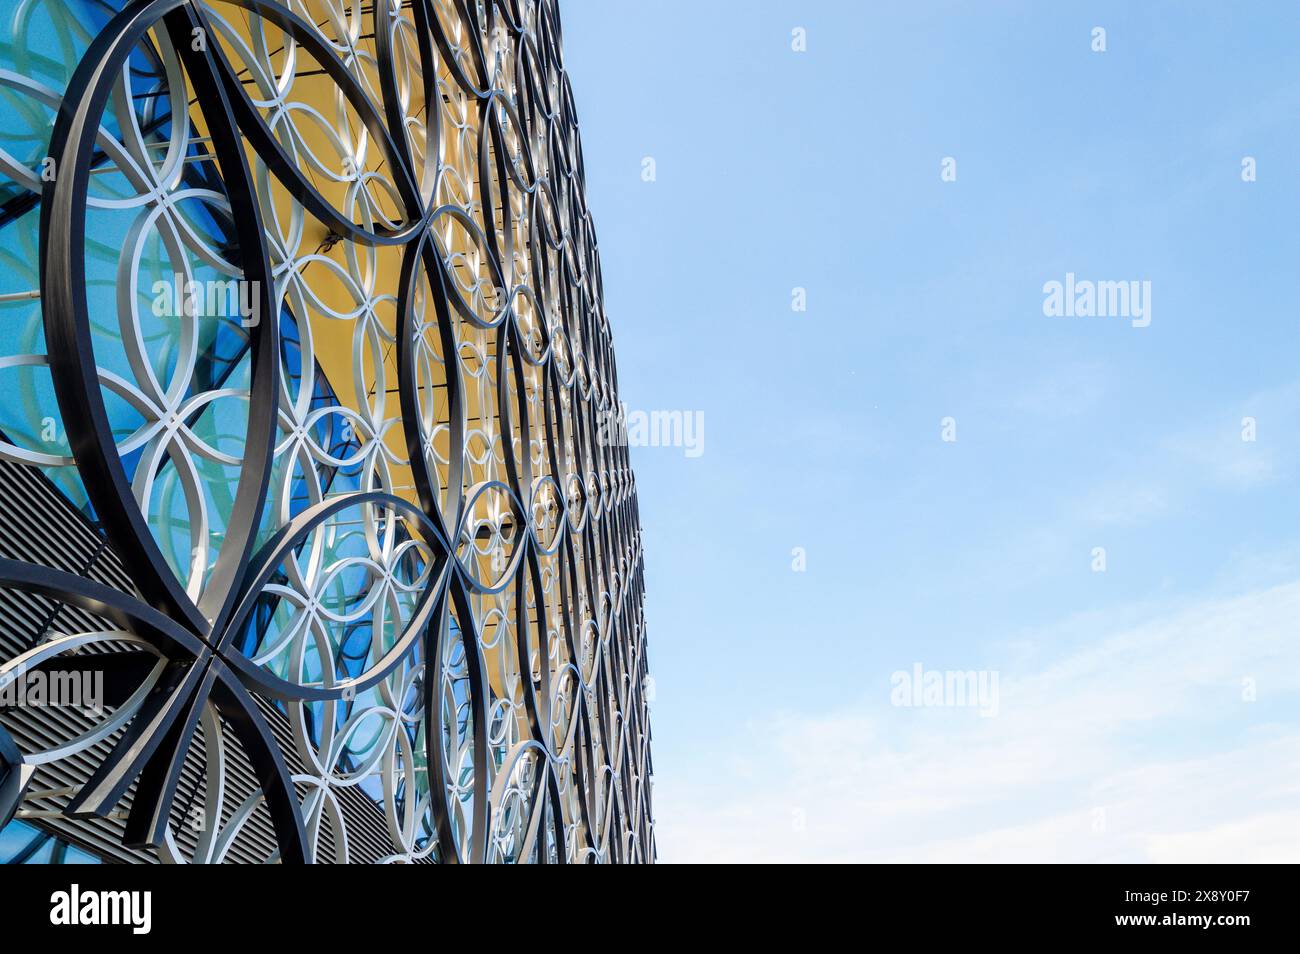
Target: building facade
(310, 550)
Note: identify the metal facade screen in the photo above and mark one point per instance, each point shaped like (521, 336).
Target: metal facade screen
(305, 488)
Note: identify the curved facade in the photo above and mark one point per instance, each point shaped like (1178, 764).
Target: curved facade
(311, 549)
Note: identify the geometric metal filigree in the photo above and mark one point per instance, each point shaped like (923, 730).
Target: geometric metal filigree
(385, 580)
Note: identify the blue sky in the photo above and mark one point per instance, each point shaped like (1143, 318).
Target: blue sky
(1123, 731)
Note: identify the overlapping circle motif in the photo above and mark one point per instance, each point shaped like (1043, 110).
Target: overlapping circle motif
(371, 512)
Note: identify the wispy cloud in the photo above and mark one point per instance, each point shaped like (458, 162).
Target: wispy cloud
(1074, 388)
(1209, 456)
(1075, 768)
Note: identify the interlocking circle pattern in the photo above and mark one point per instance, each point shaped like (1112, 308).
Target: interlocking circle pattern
(305, 312)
